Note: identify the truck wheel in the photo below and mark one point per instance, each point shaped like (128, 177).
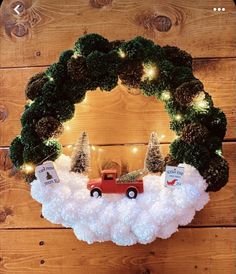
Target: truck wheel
(131, 193)
(95, 193)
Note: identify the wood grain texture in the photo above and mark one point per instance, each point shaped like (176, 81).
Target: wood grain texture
(119, 117)
(34, 37)
(19, 210)
(205, 250)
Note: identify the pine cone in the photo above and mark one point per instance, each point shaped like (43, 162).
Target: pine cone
(185, 93)
(195, 134)
(131, 74)
(77, 68)
(48, 127)
(169, 161)
(216, 175)
(35, 85)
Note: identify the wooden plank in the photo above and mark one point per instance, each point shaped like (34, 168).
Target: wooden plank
(43, 29)
(119, 117)
(192, 250)
(19, 210)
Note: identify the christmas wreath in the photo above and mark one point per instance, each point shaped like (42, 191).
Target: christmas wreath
(164, 72)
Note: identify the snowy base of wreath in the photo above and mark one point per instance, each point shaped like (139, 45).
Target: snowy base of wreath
(156, 213)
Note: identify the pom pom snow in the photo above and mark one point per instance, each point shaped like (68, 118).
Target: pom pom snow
(113, 217)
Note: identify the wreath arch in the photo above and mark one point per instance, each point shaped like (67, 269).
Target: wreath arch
(164, 72)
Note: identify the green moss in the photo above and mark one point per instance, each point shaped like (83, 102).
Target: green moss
(16, 152)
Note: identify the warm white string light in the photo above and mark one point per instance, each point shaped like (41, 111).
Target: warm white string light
(199, 103)
(28, 168)
(165, 95)
(134, 149)
(121, 53)
(150, 71)
(178, 117)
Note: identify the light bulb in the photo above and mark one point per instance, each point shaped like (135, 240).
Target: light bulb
(69, 146)
(150, 71)
(165, 95)
(218, 152)
(162, 136)
(178, 117)
(50, 79)
(121, 53)
(93, 148)
(199, 103)
(67, 127)
(134, 149)
(28, 168)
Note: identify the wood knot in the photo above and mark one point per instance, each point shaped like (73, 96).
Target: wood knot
(152, 21)
(20, 30)
(98, 4)
(162, 23)
(3, 113)
(4, 213)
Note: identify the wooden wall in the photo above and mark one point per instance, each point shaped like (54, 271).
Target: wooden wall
(116, 122)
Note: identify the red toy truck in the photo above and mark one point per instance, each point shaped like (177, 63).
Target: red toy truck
(108, 183)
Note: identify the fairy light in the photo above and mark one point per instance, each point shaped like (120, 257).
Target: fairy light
(121, 53)
(100, 150)
(219, 152)
(29, 102)
(165, 95)
(134, 149)
(50, 79)
(178, 117)
(199, 103)
(93, 148)
(69, 146)
(67, 127)
(150, 71)
(162, 136)
(28, 168)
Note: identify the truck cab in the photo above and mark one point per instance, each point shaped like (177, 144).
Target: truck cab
(108, 184)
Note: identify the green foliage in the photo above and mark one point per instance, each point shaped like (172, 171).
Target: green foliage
(65, 56)
(177, 56)
(91, 42)
(56, 72)
(48, 150)
(195, 155)
(16, 152)
(181, 75)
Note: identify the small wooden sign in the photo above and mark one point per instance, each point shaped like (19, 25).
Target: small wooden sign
(46, 173)
(174, 176)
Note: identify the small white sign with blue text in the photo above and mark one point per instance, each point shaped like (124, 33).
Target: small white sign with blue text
(174, 176)
(46, 173)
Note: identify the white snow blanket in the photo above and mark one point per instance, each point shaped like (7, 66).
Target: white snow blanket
(113, 217)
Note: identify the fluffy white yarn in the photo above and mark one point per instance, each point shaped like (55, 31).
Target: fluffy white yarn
(155, 213)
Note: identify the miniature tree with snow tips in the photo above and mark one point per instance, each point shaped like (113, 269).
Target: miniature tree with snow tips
(153, 161)
(81, 155)
(132, 176)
